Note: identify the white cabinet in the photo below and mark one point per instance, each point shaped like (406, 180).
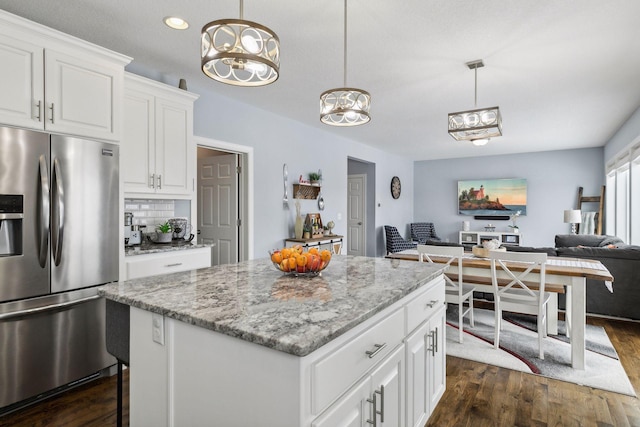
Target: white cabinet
(472, 238)
(167, 262)
(379, 395)
(158, 153)
(53, 82)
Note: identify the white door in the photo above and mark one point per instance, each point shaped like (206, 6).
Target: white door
(437, 364)
(356, 224)
(138, 146)
(218, 206)
(388, 385)
(418, 354)
(173, 146)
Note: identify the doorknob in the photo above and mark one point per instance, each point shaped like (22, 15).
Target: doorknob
(360, 223)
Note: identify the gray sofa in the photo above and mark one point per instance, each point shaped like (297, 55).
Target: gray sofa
(623, 261)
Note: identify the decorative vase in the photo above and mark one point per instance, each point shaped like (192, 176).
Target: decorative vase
(298, 225)
(307, 235)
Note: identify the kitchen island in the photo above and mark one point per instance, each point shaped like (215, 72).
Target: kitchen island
(243, 344)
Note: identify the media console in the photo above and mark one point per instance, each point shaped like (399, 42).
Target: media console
(473, 238)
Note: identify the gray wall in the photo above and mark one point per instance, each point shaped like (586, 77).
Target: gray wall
(553, 178)
(627, 134)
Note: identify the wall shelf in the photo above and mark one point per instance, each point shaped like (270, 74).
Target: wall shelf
(306, 191)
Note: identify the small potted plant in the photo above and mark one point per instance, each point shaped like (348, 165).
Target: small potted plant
(513, 226)
(307, 231)
(315, 178)
(164, 233)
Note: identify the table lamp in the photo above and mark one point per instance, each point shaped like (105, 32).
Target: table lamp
(573, 217)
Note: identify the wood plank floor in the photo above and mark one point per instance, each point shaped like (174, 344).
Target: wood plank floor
(477, 395)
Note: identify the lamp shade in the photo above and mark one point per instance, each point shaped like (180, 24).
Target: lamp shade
(572, 216)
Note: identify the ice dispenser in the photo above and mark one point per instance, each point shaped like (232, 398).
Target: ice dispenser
(11, 215)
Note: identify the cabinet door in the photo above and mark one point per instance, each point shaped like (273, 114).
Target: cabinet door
(418, 352)
(388, 385)
(138, 142)
(437, 359)
(21, 84)
(352, 410)
(173, 147)
(82, 97)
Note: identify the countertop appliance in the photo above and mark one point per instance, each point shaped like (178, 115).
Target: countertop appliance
(58, 242)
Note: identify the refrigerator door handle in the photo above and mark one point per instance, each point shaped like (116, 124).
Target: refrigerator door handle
(30, 311)
(59, 206)
(43, 219)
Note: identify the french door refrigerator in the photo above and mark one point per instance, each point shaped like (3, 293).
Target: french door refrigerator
(58, 242)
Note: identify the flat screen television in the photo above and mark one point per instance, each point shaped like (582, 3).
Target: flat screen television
(492, 197)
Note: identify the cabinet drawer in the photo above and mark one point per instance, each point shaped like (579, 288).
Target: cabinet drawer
(424, 305)
(335, 373)
(168, 262)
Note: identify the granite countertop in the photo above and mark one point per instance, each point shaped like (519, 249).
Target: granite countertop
(154, 248)
(253, 301)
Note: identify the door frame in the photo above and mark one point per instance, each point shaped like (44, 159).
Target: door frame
(245, 187)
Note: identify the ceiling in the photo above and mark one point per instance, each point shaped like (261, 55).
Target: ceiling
(564, 73)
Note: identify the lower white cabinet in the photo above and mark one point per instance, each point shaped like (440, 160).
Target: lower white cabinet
(426, 358)
(167, 262)
(376, 400)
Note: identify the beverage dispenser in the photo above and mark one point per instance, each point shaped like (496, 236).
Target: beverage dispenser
(11, 215)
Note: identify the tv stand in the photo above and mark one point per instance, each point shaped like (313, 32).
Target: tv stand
(473, 238)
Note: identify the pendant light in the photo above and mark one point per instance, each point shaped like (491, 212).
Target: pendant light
(345, 106)
(477, 125)
(239, 52)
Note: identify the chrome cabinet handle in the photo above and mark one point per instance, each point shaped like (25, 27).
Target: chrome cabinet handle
(44, 212)
(378, 349)
(381, 393)
(159, 182)
(374, 422)
(173, 265)
(432, 303)
(434, 342)
(39, 116)
(152, 183)
(52, 112)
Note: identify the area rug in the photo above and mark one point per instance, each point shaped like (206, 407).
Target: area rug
(519, 350)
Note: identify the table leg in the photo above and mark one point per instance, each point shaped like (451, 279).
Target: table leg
(567, 311)
(578, 319)
(552, 314)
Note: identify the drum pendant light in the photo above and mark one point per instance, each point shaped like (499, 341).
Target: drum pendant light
(345, 106)
(239, 52)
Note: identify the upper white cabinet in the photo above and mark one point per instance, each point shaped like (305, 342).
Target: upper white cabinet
(54, 82)
(158, 153)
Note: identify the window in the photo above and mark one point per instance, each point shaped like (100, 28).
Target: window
(623, 196)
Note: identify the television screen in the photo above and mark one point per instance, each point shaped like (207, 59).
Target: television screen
(492, 197)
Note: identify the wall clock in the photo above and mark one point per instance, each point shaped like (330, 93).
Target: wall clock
(395, 187)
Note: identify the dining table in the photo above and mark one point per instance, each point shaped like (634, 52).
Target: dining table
(562, 275)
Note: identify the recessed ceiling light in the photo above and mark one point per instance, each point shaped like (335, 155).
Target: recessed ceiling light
(176, 23)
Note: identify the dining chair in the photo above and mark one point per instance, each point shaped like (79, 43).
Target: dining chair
(456, 292)
(423, 232)
(514, 293)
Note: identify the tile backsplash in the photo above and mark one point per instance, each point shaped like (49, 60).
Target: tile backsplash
(150, 212)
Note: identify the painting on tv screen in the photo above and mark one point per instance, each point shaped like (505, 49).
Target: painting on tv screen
(492, 197)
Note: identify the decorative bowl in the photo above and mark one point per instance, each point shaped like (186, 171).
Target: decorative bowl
(482, 252)
(303, 266)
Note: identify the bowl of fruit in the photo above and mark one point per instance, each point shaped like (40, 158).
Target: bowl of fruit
(297, 262)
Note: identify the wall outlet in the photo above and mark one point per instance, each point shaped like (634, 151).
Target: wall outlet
(157, 328)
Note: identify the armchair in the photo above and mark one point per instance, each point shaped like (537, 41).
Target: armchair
(423, 232)
(395, 242)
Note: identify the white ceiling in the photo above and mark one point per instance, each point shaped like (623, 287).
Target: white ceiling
(566, 74)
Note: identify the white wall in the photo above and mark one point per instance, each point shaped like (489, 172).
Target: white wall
(553, 178)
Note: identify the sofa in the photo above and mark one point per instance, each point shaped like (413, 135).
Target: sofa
(622, 260)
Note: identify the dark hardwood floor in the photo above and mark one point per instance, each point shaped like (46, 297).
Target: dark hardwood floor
(477, 395)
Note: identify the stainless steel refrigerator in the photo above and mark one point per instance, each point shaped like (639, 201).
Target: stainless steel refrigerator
(58, 242)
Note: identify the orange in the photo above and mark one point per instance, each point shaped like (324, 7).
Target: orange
(325, 255)
(302, 260)
(292, 263)
(276, 257)
(286, 253)
(284, 265)
(313, 251)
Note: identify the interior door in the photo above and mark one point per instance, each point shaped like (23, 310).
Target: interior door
(218, 206)
(356, 223)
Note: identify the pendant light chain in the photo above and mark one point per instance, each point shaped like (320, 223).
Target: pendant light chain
(475, 99)
(241, 9)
